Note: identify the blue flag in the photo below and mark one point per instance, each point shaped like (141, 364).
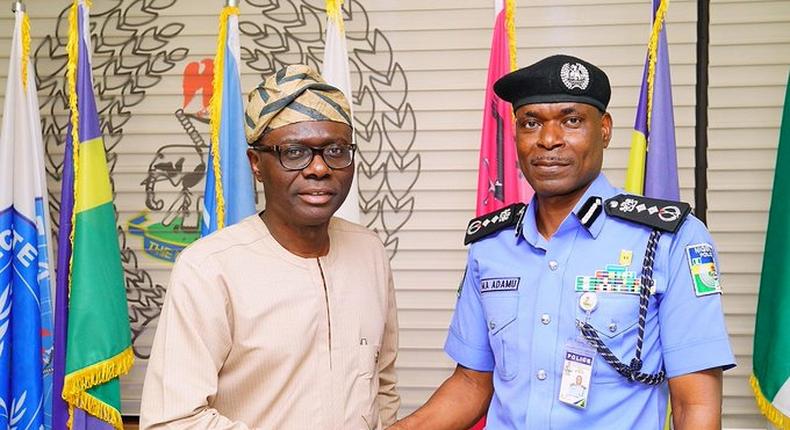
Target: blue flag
(229, 196)
(25, 306)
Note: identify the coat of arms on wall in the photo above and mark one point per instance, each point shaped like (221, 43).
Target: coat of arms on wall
(167, 227)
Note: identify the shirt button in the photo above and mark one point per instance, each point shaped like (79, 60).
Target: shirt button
(545, 319)
(612, 327)
(553, 265)
(492, 325)
(541, 375)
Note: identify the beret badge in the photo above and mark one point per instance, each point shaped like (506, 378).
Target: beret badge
(575, 75)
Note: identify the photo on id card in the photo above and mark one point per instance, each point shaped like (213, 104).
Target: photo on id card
(576, 375)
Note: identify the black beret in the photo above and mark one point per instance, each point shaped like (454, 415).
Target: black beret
(556, 79)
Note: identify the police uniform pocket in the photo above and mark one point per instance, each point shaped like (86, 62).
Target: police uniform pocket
(615, 320)
(501, 310)
(615, 315)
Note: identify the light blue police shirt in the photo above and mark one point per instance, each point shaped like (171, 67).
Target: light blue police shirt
(520, 322)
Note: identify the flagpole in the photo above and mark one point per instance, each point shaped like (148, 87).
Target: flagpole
(17, 6)
(701, 123)
(232, 3)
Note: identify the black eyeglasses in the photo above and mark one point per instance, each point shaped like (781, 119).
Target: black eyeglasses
(297, 157)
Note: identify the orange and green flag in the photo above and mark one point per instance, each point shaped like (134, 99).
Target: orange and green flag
(97, 335)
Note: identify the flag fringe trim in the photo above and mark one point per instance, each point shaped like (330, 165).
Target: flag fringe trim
(510, 26)
(72, 48)
(216, 110)
(770, 411)
(25, 47)
(76, 384)
(652, 55)
(333, 8)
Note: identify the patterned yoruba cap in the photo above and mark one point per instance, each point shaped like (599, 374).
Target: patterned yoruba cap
(556, 79)
(296, 93)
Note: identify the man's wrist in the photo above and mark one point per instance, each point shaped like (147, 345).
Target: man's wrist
(401, 425)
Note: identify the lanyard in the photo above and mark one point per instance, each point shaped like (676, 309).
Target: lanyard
(632, 371)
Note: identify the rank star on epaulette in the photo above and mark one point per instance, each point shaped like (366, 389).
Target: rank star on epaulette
(481, 227)
(666, 215)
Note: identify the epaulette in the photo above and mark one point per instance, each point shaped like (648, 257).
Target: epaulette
(482, 226)
(666, 215)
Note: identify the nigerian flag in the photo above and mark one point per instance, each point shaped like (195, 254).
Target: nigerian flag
(771, 369)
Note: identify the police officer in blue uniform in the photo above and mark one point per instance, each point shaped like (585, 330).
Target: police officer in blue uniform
(588, 307)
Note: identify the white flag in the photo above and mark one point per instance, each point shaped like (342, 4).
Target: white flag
(335, 72)
(25, 254)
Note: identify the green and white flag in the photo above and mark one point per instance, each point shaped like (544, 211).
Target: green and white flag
(771, 369)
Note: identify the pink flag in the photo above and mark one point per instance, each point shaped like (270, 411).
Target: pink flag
(500, 181)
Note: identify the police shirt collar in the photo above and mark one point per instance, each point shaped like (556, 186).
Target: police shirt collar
(587, 213)
(589, 210)
(528, 226)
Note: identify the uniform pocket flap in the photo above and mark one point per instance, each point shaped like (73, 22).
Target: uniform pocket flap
(615, 314)
(500, 312)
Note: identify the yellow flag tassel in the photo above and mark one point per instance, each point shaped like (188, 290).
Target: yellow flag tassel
(25, 47)
(777, 418)
(652, 55)
(333, 9)
(72, 47)
(510, 25)
(215, 107)
(77, 383)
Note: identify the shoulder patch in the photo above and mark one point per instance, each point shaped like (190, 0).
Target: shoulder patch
(461, 285)
(665, 215)
(481, 227)
(703, 269)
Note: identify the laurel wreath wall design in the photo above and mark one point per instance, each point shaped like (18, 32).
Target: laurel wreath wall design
(282, 32)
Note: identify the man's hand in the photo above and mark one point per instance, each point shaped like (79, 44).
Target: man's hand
(457, 405)
(696, 400)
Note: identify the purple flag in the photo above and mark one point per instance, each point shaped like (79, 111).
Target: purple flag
(60, 413)
(652, 165)
(661, 172)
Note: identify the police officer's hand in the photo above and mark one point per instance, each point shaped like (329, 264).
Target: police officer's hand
(457, 405)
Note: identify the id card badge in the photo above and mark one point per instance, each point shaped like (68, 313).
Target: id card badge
(576, 374)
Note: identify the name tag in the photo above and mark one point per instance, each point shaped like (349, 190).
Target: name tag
(576, 374)
(499, 284)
